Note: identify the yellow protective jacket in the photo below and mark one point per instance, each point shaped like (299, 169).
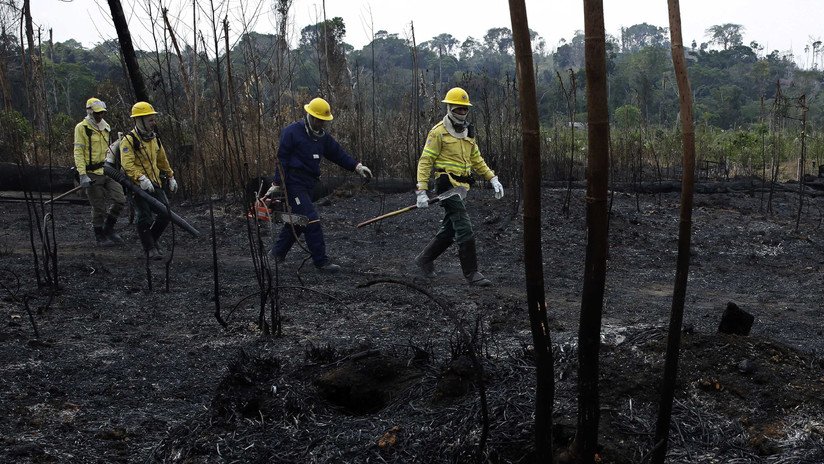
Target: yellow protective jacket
(450, 155)
(90, 146)
(147, 158)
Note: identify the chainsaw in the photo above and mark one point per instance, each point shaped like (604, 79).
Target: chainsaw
(275, 209)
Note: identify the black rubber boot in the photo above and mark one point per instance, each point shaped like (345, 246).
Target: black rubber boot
(149, 246)
(274, 256)
(426, 259)
(108, 231)
(158, 226)
(101, 239)
(328, 268)
(469, 264)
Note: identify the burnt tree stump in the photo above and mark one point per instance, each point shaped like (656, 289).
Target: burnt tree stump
(735, 320)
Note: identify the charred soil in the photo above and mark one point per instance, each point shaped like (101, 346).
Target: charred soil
(368, 368)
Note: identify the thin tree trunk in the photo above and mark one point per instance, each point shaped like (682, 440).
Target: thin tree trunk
(592, 300)
(237, 139)
(571, 104)
(416, 99)
(803, 103)
(533, 256)
(679, 293)
(4, 81)
(34, 83)
(328, 89)
(184, 77)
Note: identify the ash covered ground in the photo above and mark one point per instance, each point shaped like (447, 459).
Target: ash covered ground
(379, 373)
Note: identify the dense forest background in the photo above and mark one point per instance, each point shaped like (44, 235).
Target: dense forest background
(224, 102)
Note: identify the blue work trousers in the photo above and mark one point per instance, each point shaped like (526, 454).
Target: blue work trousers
(300, 200)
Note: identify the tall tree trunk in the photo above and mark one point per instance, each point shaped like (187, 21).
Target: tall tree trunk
(4, 81)
(416, 100)
(237, 141)
(34, 83)
(592, 300)
(282, 64)
(803, 103)
(124, 37)
(659, 452)
(533, 256)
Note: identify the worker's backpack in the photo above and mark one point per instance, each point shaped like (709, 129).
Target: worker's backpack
(113, 155)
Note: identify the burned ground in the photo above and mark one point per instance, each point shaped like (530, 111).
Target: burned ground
(379, 373)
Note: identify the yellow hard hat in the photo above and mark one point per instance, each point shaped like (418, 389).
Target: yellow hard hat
(98, 107)
(90, 101)
(142, 109)
(319, 108)
(457, 96)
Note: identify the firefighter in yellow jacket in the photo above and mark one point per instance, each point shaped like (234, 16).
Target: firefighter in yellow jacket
(143, 159)
(453, 154)
(91, 142)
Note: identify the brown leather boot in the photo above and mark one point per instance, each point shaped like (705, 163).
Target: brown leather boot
(469, 264)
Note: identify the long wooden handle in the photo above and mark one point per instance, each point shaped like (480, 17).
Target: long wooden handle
(387, 215)
(64, 194)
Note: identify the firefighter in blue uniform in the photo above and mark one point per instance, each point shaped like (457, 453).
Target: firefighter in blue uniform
(302, 145)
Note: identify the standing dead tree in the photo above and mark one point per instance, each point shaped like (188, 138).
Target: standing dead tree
(777, 143)
(795, 109)
(592, 300)
(124, 37)
(533, 256)
(802, 103)
(572, 101)
(35, 79)
(41, 235)
(659, 451)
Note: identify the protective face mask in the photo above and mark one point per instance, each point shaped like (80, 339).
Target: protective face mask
(143, 129)
(311, 130)
(460, 118)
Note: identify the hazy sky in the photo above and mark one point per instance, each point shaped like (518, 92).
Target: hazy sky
(783, 26)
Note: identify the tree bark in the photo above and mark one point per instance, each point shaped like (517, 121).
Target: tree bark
(679, 293)
(533, 256)
(124, 37)
(592, 300)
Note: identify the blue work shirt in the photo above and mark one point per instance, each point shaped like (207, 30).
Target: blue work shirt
(300, 152)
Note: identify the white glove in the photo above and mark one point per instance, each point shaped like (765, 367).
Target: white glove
(363, 170)
(85, 181)
(146, 184)
(496, 185)
(172, 185)
(272, 191)
(423, 199)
